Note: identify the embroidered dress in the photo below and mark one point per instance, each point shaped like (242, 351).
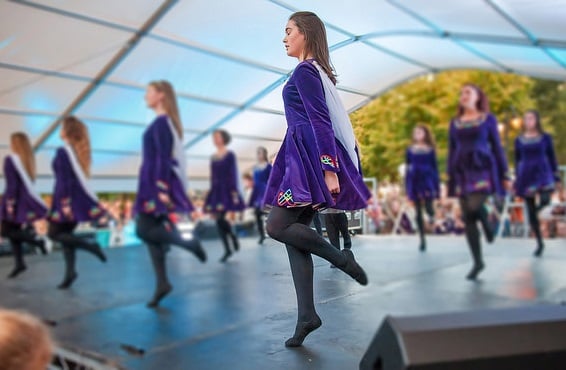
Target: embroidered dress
(71, 190)
(536, 168)
(20, 203)
(310, 148)
(476, 160)
(224, 194)
(421, 179)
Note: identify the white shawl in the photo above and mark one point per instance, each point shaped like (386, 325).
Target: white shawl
(178, 154)
(341, 124)
(77, 169)
(28, 183)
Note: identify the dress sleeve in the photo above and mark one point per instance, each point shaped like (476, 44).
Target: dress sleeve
(64, 174)
(435, 169)
(163, 140)
(311, 91)
(517, 155)
(450, 160)
(12, 178)
(552, 158)
(497, 148)
(233, 171)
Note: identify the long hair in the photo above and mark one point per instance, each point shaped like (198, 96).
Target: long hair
(482, 105)
(22, 147)
(169, 103)
(264, 154)
(76, 133)
(316, 44)
(429, 137)
(535, 113)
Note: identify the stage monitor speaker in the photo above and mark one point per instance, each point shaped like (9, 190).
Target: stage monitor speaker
(529, 338)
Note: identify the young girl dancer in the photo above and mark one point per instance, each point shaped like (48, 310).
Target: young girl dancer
(224, 195)
(477, 166)
(421, 179)
(317, 166)
(262, 170)
(162, 186)
(536, 170)
(73, 202)
(21, 205)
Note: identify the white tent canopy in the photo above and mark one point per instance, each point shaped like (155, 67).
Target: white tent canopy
(227, 63)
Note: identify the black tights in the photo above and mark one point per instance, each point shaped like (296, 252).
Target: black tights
(259, 220)
(226, 231)
(17, 235)
(336, 225)
(429, 209)
(291, 226)
(158, 232)
(533, 209)
(473, 210)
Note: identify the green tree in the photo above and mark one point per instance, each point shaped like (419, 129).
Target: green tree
(384, 126)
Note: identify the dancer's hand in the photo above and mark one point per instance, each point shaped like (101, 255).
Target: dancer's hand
(67, 211)
(164, 198)
(508, 185)
(331, 180)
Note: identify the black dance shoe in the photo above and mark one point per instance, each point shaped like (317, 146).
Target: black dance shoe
(422, 247)
(540, 249)
(225, 257)
(159, 295)
(16, 271)
(302, 330)
(195, 247)
(41, 246)
(68, 281)
(353, 269)
(475, 271)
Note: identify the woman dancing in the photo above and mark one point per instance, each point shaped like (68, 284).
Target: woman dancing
(422, 182)
(477, 167)
(73, 202)
(536, 171)
(21, 205)
(162, 186)
(317, 167)
(224, 195)
(262, 170)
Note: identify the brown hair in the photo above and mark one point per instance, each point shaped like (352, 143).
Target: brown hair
(264, 154)
(316, 44)
(482, 105)
(535, 113)
(76, 134)
(25, 343)
(225, 135)
(429, 137)
(22, 147)
(169, 103)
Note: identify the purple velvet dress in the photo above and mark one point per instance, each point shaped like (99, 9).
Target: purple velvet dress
(71, 191)
(261, 177)
(421, 178)
(476, 160)
(157, 173)
(310, 148)
(224, 194)
(535, 165)
(18, 197)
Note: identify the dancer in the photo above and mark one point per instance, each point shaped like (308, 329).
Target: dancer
(21, 205)
(162, 186)
(224, 195)
(536, 171)
(477, 166)
(73, 202)
(262, 170)
(336, 223)
(317, 166)
(421, 179)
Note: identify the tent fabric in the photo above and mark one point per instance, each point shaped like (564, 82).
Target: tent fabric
(227, 62)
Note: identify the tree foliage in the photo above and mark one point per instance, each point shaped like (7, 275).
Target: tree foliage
(384, 126)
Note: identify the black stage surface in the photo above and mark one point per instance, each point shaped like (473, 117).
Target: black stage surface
(237, 316)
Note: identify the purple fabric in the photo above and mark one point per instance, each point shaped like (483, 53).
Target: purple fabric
(421, 177)
(157, 173)
(476, 160)
(261, 176)
(70, 192)
(224, 194)
(25, 208)
(536, 168)
(310, 148)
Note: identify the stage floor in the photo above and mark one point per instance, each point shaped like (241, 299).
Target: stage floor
(237, 316)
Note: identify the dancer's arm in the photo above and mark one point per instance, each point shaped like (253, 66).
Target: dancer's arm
(163, 140)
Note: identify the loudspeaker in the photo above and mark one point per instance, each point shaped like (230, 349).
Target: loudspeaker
(529, 338)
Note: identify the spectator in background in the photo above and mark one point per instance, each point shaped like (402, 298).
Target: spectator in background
(25, 343)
